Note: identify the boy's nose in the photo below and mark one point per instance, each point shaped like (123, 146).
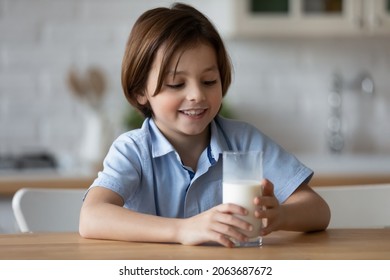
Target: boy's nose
(195, 93)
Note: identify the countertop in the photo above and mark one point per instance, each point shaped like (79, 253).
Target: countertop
(328, 171)
(11, 181)
(348, 169)
(348, 164)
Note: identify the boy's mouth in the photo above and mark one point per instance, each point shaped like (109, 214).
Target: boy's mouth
(193, 112)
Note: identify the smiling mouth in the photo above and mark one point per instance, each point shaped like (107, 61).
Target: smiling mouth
(193, 112)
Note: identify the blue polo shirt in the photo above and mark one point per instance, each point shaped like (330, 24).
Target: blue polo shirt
(146, 171)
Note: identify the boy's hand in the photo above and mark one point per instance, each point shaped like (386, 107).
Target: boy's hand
(215, 225)
(268, 208)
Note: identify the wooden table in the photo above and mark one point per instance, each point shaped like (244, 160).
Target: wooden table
(333, 244)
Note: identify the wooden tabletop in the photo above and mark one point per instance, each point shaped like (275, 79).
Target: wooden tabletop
(338, 244)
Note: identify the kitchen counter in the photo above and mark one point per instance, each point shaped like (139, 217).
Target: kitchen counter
(328, 171)
(348, 179)
(10, 182)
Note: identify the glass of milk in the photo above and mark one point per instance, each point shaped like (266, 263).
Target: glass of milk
(242, 175)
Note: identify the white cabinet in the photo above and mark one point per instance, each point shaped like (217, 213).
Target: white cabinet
(254, 18)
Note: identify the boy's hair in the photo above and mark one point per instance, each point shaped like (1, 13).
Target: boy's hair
(177, 28)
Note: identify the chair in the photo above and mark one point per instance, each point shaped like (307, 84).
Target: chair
(50, 210)
(363, 206)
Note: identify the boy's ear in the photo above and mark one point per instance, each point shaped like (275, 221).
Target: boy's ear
(142, 99)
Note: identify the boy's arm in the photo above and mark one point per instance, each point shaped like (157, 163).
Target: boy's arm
(102, 216)
(304, 210)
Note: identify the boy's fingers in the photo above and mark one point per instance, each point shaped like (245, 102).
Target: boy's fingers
(268, 188)
(232, 209)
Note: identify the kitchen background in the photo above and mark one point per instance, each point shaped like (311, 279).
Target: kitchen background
(320, 88)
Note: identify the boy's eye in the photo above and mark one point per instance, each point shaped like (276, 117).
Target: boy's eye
(210, 83)
(175, 86)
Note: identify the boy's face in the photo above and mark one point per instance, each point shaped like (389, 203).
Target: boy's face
(191, 93)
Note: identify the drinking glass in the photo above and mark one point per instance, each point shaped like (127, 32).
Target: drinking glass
(242, 175)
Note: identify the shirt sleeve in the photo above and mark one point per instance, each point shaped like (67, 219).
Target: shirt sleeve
(280, 167)
(122, 168)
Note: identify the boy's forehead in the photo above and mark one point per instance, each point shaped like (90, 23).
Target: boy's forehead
(175, 57)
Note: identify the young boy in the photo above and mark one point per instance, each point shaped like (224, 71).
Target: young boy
(163, 182)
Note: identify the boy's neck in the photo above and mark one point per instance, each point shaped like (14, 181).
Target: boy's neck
(190, 148)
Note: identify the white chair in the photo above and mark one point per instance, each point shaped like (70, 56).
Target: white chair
(50, 210)
(363, 206)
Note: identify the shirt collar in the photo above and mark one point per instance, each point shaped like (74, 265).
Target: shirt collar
(218, 143)
(161, 145)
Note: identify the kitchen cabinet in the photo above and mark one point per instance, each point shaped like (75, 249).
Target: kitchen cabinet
(253, 18)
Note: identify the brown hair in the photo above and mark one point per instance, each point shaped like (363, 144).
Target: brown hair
(177, 28)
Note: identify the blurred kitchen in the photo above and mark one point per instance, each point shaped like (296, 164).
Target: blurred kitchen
(312, 74)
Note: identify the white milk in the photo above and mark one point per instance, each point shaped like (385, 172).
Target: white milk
(242, 193)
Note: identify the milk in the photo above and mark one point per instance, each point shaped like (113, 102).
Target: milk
(243, 193)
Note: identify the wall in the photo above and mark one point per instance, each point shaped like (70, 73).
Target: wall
(283, 85)
(280, 85)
